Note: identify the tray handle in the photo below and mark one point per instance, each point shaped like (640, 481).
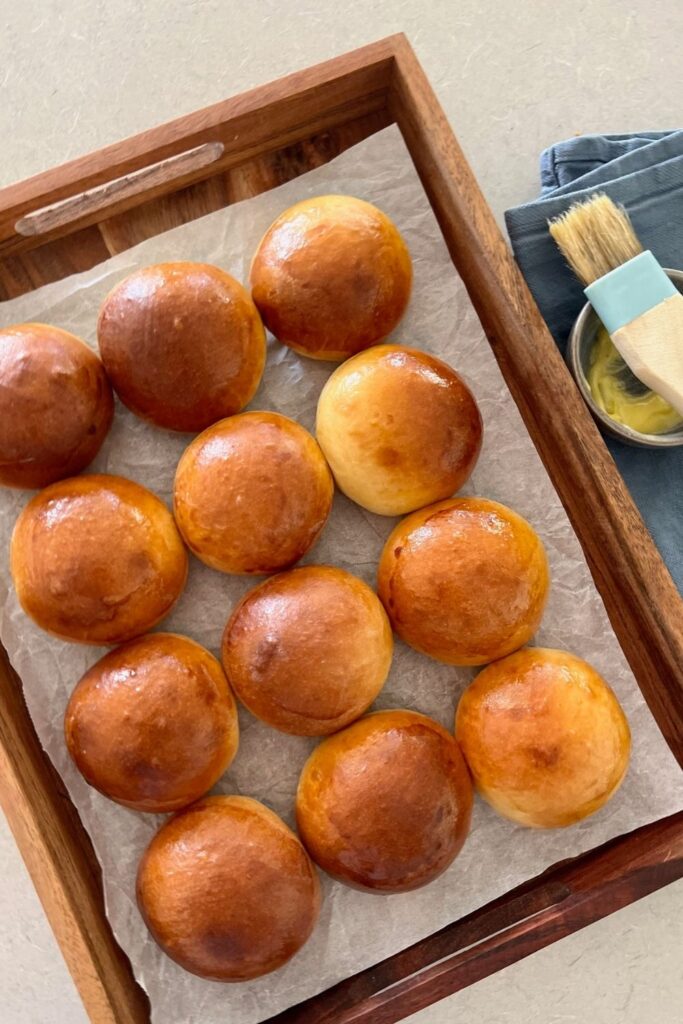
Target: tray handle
(57, 215)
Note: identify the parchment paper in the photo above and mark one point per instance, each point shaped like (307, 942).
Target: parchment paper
(355, 929)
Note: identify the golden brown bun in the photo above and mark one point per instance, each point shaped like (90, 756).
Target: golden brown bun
(56, 405)
(544, 737)
(252, 493)
(385, 804)
(464, 581)
(399, 429)
(331, 276)
(227, 890)
(97, 559)
(153, 724)
(183, 344)
(309, 650)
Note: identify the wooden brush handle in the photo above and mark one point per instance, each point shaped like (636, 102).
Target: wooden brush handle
(652, 347)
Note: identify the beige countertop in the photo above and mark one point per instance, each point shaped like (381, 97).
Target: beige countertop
(513, 76)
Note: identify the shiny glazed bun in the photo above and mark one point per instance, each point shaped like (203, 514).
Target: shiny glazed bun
(227, 890)
(331, 276)
(56, 405)
(183, 344)
(97, 559)
(544, 736)
(153, 724)
(464, 581)
(252, 493)
(399, 429)
(385, 804)
(309, 650)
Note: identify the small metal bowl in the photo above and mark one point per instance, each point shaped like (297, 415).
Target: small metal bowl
(579, 348)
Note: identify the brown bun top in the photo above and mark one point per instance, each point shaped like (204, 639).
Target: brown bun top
(182, 343)
(56, 405)
(331, 276)
(153, 724)
(309, 650)
(252, 493)
(544, 736)
(385, 804)
(464, 581)
(399, 428)
(97, 559)
(227, 890)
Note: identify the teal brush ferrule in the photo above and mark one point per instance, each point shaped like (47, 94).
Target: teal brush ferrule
(629, 291)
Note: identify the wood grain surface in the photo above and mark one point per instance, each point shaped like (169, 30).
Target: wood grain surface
(561, 901)
(268, 136)
(60, 859)
(262, 120)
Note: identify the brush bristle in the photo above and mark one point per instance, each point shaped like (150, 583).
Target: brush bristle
(595, 236)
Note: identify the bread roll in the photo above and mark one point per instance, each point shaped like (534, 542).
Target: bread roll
(183, 344)
(331, 276)
(309, 650)
(252, 493)
(398, 428)
(385, 804)
(97, 559)
(464, 581)
(56, 405)
(227, 890)
(544, 736)
(153, 724)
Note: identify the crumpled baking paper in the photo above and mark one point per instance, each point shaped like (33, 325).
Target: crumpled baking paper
(355, 929)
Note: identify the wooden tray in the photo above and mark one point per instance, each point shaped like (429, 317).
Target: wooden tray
(77, 215)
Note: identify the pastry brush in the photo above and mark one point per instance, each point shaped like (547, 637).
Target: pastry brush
(628, 289)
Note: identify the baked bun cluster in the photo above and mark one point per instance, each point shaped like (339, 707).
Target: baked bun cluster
(544, 736)
(227, 890)
(331, 277)
(252, 493)
(153, 724)
(464, 581)
(399, 428)
(97, 559)
(56, 405)
(309, 650)
(182, 343)
(385, 804)
(385, 799)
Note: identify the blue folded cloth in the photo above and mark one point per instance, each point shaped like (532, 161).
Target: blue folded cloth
(644, 172)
